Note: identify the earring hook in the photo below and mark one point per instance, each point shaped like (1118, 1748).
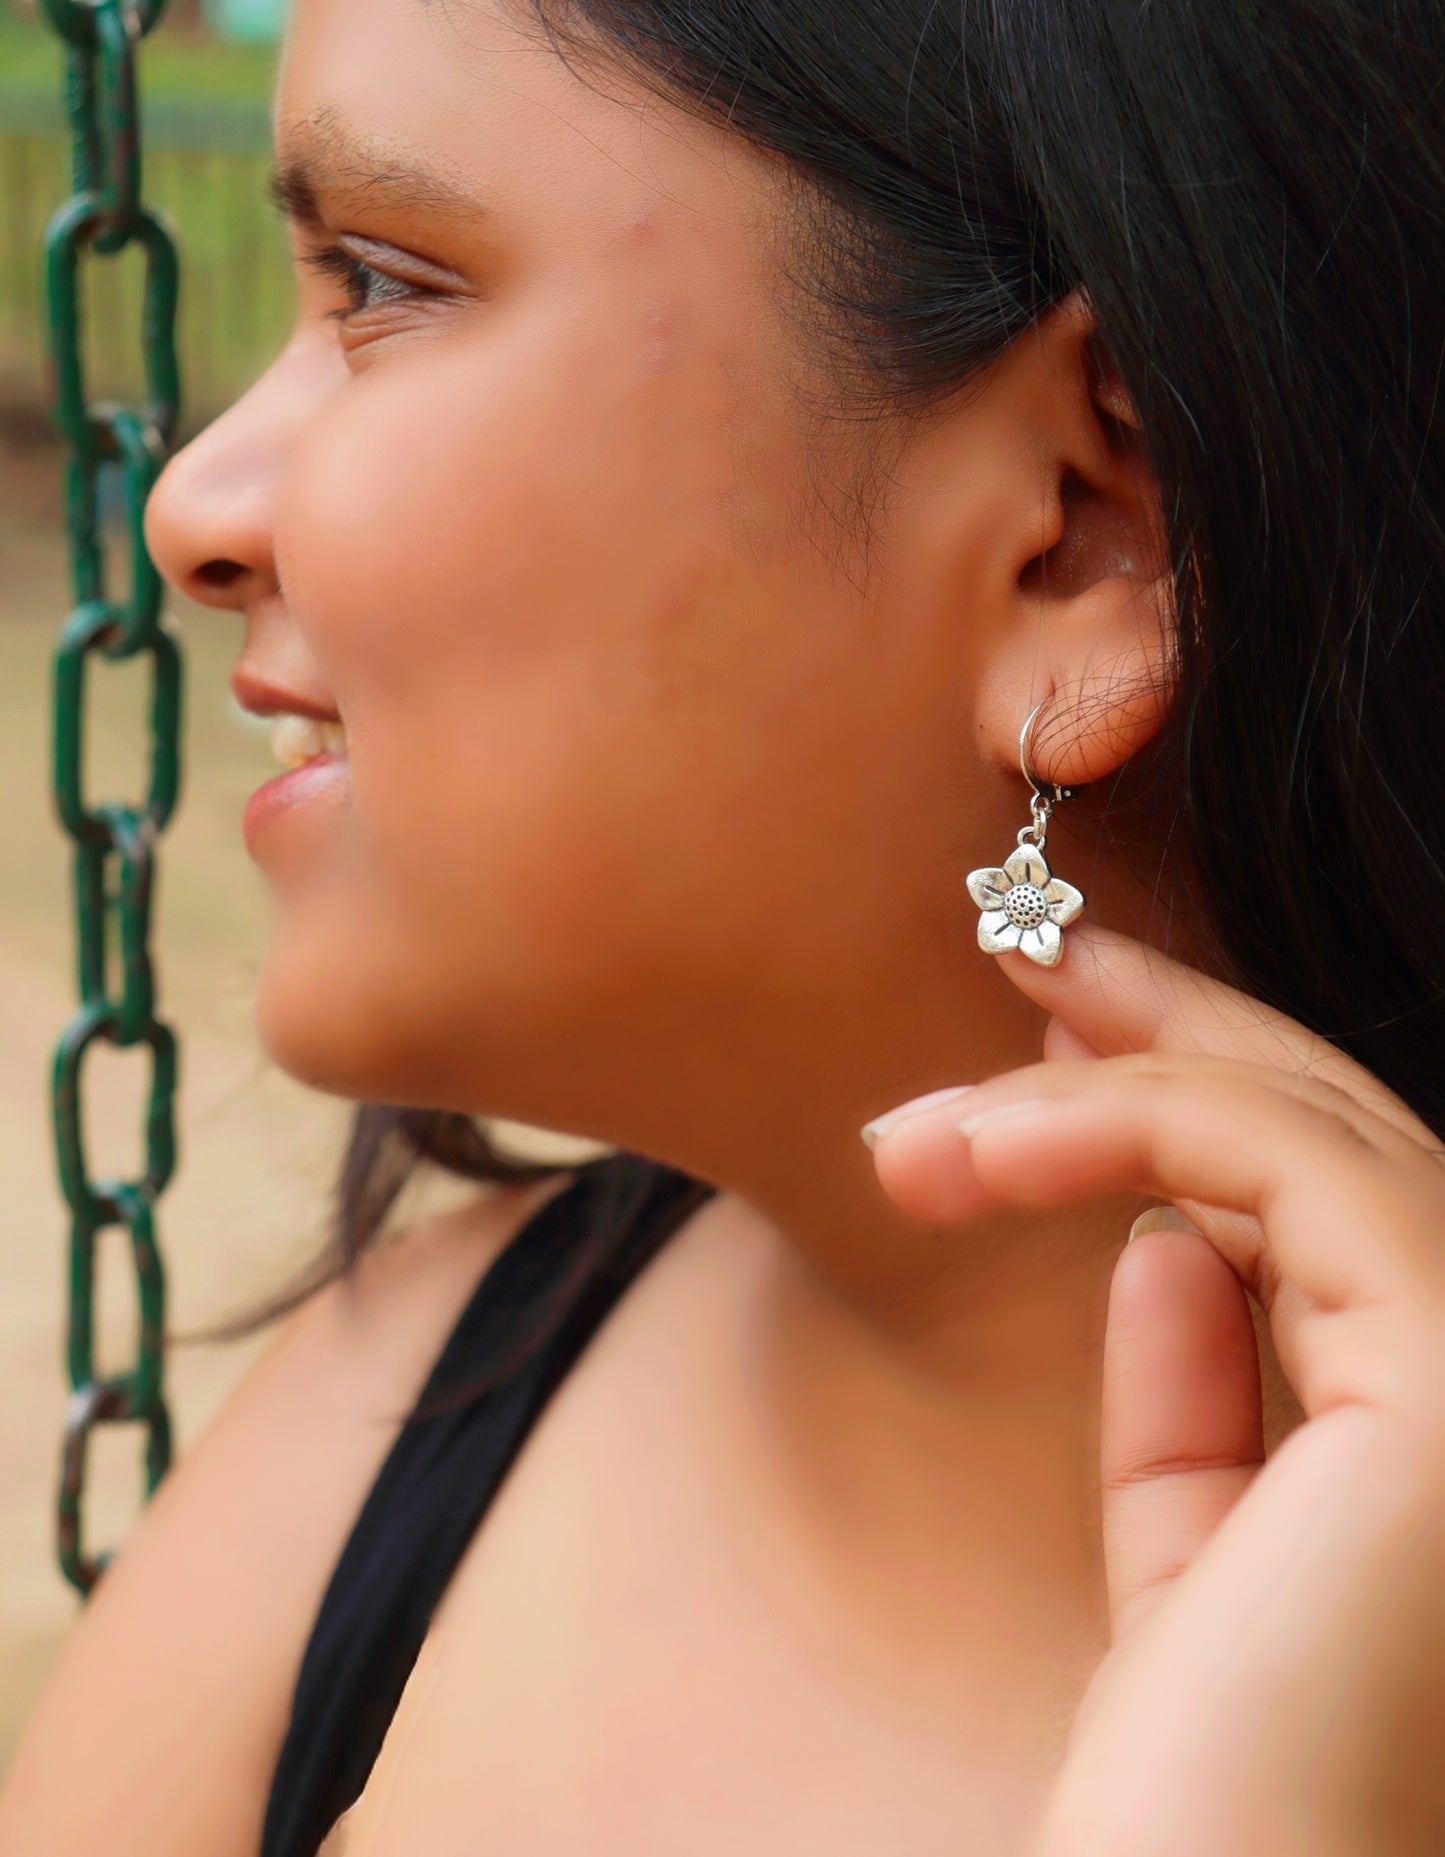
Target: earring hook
(1046, 793)
(1046, 789)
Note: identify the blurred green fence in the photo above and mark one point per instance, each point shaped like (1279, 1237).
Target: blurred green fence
(206, 160)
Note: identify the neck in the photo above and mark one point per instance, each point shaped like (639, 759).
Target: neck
(976, 1347)
(919, 1448)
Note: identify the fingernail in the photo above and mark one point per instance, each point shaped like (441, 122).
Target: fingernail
(970, 1125)
(1162, 1219)
(880, 1124)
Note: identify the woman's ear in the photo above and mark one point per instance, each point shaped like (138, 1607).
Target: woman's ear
(1087, 592)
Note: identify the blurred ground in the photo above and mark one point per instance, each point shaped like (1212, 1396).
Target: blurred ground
(256, 1150)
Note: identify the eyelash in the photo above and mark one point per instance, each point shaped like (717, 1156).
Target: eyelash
(353, 274)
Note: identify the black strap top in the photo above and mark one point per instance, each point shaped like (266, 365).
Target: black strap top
(577, 1255)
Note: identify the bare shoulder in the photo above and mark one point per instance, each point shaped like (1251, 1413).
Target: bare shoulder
(177, 1677)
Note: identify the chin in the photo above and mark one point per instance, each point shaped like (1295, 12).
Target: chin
(362, 1003)
(350, 1013)
(300, 1030)
(328, 1019)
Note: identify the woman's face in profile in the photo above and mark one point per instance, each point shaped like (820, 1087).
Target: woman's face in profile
(647, 754)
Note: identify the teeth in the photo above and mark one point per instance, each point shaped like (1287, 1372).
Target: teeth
(295, 740)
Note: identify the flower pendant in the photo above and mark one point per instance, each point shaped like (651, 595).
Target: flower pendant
(1024, 906)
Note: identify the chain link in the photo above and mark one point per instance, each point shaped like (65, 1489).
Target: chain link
(114, 841)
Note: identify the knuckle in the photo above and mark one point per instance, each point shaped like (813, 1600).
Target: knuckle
(1328, 1094)
(1171, 1070)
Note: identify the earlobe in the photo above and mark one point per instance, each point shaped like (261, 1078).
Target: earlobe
(1105, 629)
(1098, 716)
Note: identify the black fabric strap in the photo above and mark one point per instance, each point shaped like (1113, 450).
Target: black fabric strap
(441, 1473)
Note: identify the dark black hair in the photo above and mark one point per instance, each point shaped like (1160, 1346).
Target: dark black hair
(1251, 196)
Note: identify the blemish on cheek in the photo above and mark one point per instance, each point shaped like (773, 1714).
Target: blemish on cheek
(637, 250)
(660, 347)
(640, 226)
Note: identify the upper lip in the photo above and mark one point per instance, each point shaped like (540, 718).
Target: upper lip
(261, 698)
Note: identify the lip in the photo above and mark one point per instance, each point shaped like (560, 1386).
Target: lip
(259, 697)
(325, 776)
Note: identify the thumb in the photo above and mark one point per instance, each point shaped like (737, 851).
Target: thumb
(1182, 1423)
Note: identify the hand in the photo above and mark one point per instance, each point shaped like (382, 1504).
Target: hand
(1275, 1683)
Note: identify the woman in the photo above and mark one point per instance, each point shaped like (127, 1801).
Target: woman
(712, 437)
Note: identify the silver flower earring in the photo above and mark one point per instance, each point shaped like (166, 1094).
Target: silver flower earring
(1025, 905)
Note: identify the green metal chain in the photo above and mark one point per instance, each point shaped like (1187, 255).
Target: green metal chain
(114, 842)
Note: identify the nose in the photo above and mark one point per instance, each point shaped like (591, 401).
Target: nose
(208, 521)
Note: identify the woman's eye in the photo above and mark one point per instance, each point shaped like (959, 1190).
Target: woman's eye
(365, 286)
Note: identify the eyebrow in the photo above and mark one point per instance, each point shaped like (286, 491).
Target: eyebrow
(328, 161)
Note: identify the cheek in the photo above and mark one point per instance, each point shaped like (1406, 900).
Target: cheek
(473, 537)
(516, 557)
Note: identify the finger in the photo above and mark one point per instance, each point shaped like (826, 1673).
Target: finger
(1182, 1419)
(1351, 1230)
(1062, 1041)
(1124, 995)
(926, 1170)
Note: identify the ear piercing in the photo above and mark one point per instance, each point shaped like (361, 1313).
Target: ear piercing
(1024, 904)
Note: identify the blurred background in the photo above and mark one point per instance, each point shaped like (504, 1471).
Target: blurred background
(257, 1151)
